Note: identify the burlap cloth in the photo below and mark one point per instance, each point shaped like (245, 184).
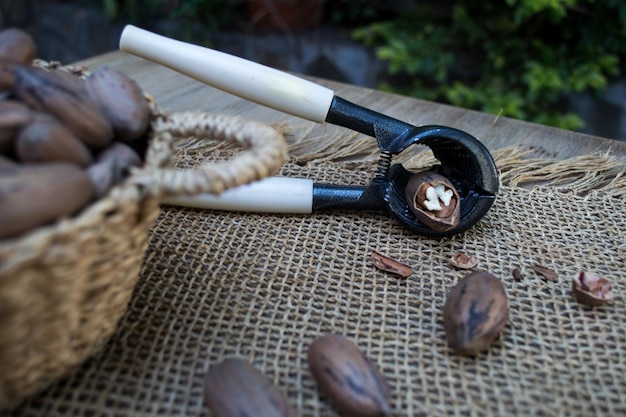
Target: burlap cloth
(263, 287)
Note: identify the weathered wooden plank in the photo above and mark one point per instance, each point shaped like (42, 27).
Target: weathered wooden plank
(176, 92)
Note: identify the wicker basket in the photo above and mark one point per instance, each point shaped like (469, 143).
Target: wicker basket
(64, 287)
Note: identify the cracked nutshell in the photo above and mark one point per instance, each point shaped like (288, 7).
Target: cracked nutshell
(433, 200)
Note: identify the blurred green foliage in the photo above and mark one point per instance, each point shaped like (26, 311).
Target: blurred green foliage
(188, 20)
(514, 57)
(351, 12)
(211, 14)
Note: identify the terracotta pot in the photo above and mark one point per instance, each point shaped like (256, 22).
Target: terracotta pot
(285, 14)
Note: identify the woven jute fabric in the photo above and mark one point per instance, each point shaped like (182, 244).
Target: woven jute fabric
(264, 286)
(64, 286)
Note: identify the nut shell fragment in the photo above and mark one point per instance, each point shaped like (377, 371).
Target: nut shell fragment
(545, 272)
(388, 264)
(591, 289)
(463, 261)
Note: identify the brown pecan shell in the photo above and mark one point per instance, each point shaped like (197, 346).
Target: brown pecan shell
(447, 217)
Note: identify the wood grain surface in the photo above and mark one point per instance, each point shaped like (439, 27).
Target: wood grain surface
(176, 92)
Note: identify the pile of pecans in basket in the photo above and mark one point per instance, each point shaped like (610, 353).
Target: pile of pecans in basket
(65, 140)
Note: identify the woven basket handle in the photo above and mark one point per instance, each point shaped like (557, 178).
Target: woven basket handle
(265, 151)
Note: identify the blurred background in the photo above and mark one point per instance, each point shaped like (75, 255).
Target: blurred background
(554, 62)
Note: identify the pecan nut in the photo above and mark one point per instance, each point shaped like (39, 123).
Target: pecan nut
(434, 200)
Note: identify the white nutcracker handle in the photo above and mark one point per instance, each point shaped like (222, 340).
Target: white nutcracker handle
(250, 80)
(269, 195)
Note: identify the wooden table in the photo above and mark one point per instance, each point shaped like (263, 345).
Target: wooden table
(226, 284)
(176, 92)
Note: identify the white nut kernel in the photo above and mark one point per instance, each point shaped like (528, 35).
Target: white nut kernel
(444, 194)
(432, 200)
